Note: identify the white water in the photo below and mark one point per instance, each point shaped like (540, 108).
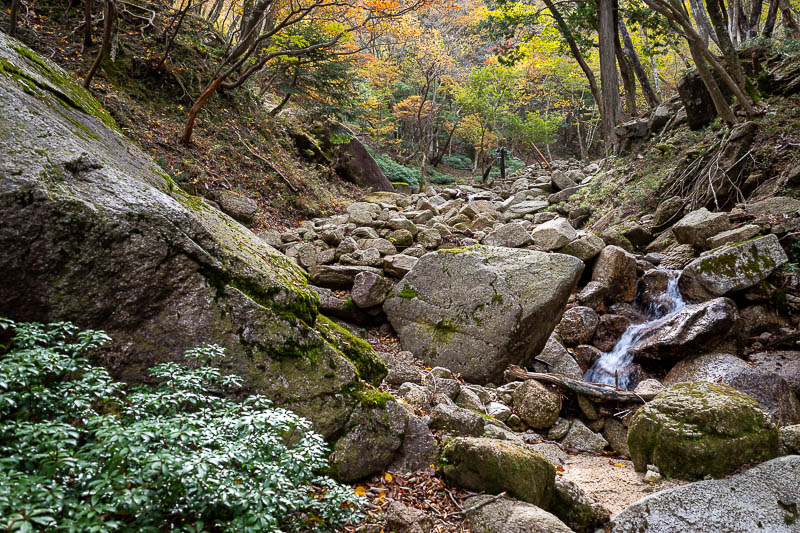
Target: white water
(608, 369)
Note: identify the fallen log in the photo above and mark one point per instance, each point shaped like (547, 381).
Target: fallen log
(597, 391)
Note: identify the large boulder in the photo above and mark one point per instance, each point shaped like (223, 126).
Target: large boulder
(771, 391)
(537, 405)
(695, 328)
(731, 268)
(696, 429)
(553, 234)
(94, 232)
(495, 466)
(616, 270)
(696, 227)
(511, 235)
(477, 310)
(764, 498)
(506, 515)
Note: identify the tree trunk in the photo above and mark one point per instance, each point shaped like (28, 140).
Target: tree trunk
(110, 14)
(608, 73)
(772, 16)
(703, 24)
(87, 24)
(755, 17)
(788, 18)
(725, 43)
(630, 52)
(722, 107)
(12, 23)
(628, 80)
(288, 96)
(576, 53)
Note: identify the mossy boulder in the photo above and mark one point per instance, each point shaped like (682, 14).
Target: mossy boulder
(696, 429)
(476, 310)
(731, 268)
(495, 466)
(94, 232)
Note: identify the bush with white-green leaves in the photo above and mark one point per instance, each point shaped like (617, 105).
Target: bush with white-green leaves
(81, 452)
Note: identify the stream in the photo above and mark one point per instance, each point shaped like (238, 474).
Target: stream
(608, 368)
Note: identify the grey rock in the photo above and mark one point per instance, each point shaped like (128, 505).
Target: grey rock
(668, 211)
(514, 301)
(384, 246)
(338, 276)
(581, 511)
(786, 364)
(498, 410)
(555, 359)
(732, 268)
(764, 498)
(552, 453)
(418, 450)
(617, 436)
(401, 518)
(649, 386)
(739, 234)
(429, 238)
(398, 265)
(527, 207)
(456, 420)
(772, 392)
(585, 247)
(401, 237)
(616, 269)
(559, 430)
(537, 405)
(511, 235)
(553, 234)
(369, 289)
(790, 440)
(271, 237)
(506, 515)
(468, 399)
(582, 438)
(678, 256)
(401, 368)
(560, 180)
(593, 294)
(696, 227)
(238, 206)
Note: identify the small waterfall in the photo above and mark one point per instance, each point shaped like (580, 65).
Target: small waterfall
(608, 368)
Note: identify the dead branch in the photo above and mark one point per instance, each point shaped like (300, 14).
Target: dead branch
(468, 510)
(597, 391)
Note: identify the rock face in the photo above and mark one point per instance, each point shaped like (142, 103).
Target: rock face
(731, 268)
(684, 332)
(95, 233)
(765, 498)
(616, 270)
(495, 466)
(513, 302)
(510, 516)
(695, 429)
(771, 391)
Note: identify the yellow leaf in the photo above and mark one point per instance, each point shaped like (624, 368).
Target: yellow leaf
(387, 477)
(360, 490)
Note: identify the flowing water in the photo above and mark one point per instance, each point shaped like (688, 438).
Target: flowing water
(609, 367)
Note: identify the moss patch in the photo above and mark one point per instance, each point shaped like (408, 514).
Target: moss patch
(369, 367)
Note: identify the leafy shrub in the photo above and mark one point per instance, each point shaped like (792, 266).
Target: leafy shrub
(439, 178)
(81, 452)
(458, 161)
(396, 172)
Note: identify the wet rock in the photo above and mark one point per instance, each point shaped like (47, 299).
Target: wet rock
(555, 359)
(616, 269)
(537, 405)
(578, 325)
(456, 420)
(514, 302)
(582, 438)
(553, 234)
(581, 511)
(698, 327)
(732, 268)
(770, 390)
(695, 429)
(506, 515)
(586, 356)
(764, 498)
(609, 329)
(495, 466)
(696, 227)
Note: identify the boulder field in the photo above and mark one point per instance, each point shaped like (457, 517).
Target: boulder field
(684, 306)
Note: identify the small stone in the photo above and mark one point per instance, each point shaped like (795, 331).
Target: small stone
(652, 477)
(582, 438)
(558, 430)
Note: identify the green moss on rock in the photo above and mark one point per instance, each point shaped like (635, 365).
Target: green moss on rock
(697, 429)
(369, 366)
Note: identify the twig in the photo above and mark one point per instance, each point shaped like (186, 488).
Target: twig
(465, 512)
(452, 499)
(269, 165)
(598, 391)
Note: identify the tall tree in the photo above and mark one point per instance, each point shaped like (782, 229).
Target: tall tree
(609, 80)
(649, 94)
